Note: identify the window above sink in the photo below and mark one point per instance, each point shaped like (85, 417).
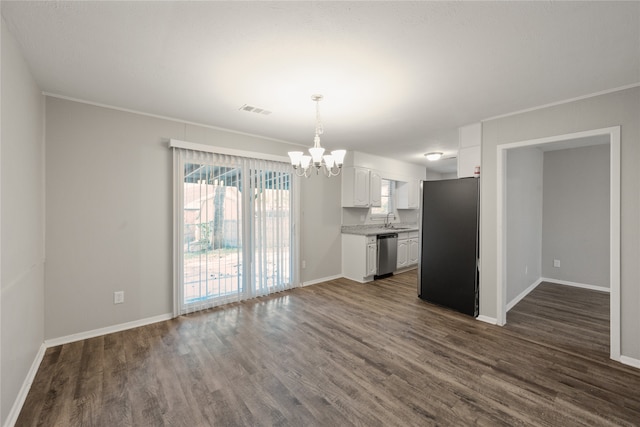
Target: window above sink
(386, 201)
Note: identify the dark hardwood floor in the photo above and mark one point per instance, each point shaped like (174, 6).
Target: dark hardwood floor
(342, 353)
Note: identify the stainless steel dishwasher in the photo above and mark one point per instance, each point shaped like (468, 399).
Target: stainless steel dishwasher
(387, 254)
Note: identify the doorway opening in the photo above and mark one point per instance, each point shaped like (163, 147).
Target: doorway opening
(598, 136)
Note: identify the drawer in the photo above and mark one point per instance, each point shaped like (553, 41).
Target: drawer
(414, 234)
(402, 236)
(371, 239)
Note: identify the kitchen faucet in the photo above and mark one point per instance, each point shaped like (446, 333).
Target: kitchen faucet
(386, 221)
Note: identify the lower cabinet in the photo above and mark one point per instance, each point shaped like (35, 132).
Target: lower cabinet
(372, 258)
(359, 257)
(414, 251)
(403, 253)
(408, 249)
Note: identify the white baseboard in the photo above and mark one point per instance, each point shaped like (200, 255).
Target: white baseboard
(577, 285)
(630, 361)
(26, 386)
(324, 279)
(523, 294)
(487, 319)
(108, 330)
(359, 280)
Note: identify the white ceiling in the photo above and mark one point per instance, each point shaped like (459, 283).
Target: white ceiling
(398, 77)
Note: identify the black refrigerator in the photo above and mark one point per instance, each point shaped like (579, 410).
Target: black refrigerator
(448, 270)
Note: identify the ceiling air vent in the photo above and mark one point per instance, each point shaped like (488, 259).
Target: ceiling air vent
(252, 109)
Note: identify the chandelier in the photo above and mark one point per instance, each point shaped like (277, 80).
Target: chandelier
(331, 164)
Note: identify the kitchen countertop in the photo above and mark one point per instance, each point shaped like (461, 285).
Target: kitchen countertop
(374, 230)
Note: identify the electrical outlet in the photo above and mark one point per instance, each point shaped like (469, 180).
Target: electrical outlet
(556, 263)
(304, 264)
(118, 297)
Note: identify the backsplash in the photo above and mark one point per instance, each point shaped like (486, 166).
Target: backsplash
(356, 229)
(359, 216)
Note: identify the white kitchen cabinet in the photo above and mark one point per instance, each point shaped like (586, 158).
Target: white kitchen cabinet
(414, 251)
(359, 257)
(360, 187)
(408, 194)
(403, 254)
(355, 187)
(408, 249)
(375, 185)
(372, 259)
(414, 194)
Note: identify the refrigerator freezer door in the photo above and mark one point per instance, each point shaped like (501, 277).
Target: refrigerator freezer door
(448, 269)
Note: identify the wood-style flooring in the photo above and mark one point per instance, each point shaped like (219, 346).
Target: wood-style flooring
(342, 353)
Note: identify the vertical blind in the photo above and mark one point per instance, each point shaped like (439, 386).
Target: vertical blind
(233, 236)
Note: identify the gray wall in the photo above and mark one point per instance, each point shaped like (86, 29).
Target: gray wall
(618, 108)
(22, 223)
(109, 214)
(321, 221)
(576, 215)
(524, 219)
(432, 175)
(452, 175)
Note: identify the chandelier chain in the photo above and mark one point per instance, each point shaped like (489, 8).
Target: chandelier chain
(319, 126)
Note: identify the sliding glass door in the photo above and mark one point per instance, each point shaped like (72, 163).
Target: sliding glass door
(270, 223)
(234, 237)
(212, 227)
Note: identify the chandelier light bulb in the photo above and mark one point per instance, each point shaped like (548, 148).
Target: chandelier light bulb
(328, 160)
(316, 154)
(338, 156)
(305, 161)
(295, 157)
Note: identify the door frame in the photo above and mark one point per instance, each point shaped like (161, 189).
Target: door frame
(614, 227)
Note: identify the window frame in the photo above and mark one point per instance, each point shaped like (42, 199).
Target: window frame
(391, 205)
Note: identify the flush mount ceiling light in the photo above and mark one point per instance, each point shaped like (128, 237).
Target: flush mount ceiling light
(331, 164)
(433, 156)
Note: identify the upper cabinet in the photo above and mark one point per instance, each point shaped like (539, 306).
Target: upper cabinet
(375, 184)
(363, 175)
(470, 139)
(408, 194)
(362, 188)
(357, 188)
